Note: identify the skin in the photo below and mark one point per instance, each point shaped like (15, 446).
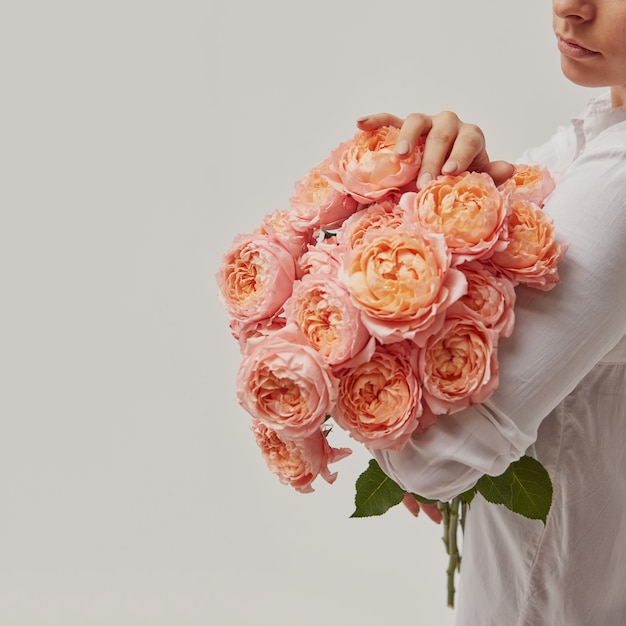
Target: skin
(592, 39)
(591, 36)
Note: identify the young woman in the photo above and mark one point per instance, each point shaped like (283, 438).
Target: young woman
(562, 393)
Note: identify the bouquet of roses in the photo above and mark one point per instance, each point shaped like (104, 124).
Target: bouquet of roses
(380, 307)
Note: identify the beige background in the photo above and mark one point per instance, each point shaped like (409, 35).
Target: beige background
(136, 139)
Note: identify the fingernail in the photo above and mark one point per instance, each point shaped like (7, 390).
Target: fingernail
(424, 179)
(449, 167)
(403, 147)
(362, 120)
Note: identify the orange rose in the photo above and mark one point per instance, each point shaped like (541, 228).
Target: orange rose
(379, 402)
(286, 384)
(243, 333)
(321, 307)
(401, 280)
(256, 277)
(297, 463)
(490, 298)
(316, 203)
(279, 224)
(468, 210)
(530, 182)
(384, 214)
(367, 168)
(532, 252)
(323, 258)
(458, 365)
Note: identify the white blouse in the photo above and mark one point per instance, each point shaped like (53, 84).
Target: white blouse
(562, 399)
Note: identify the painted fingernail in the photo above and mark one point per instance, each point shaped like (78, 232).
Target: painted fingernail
(403, 147)
(424, 179)
(449, 167)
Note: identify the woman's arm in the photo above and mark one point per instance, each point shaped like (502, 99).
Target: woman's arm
(559, 336)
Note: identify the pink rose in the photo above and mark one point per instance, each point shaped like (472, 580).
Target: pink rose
(297, 462)
(530, 182)
(367, 168)
(318, 204)
(468, 210)
(458, 365)
(323, 258)
(255, 278)
(402, 281)
(286, 384)
(489, 299)
(280, 225)
(532, 252)
(379, 401)
(322, 308)
(243, 333)
(383, 214)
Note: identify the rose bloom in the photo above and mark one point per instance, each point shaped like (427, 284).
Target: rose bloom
(318, 204)
(468, 210)
(280, 224)
(286, 384)
(243, 333)
(530, 182)
(323, 310)
(255, 278)
(367, 168)
(458, 366)
(532, 252)
(490, 298)
(323, 258)
(379, 401)
(383, 214)
(297, 462)
(402, 281)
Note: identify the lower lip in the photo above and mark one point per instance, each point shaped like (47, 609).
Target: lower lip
(574, 51)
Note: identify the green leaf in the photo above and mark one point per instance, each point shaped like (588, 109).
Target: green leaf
(524, 488)
(376, 493)
(468, 496)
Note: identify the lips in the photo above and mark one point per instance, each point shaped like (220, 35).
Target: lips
(573, 49)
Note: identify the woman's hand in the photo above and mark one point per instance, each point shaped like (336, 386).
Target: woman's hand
(451, 146)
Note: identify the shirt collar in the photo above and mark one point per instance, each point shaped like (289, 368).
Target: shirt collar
(599, 115)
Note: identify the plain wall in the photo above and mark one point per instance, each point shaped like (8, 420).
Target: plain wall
(137, 138)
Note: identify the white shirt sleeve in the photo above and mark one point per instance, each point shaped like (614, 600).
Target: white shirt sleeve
(559, 335)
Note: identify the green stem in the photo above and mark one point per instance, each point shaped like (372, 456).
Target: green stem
(463, 514)
(454, 561)
(444, 509)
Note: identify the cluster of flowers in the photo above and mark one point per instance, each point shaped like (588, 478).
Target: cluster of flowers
(376, 304)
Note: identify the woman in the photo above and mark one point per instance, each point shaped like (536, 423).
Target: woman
(562, 393)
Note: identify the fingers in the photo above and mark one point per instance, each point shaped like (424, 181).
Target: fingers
(411, 129)
(414, 126)
(370, 122)
(442, 142)
(467, 152)
(500, 171)
(432, 510)
(411, 504)
(450, 145)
